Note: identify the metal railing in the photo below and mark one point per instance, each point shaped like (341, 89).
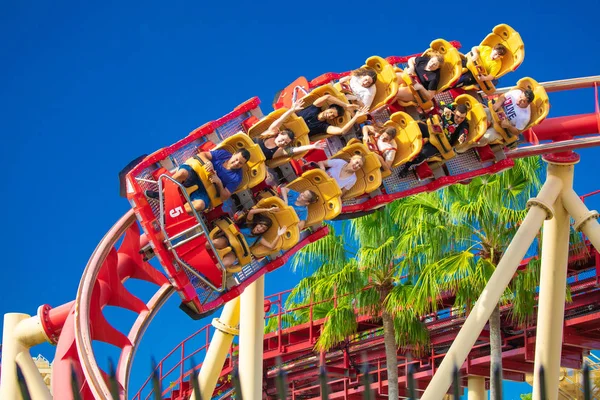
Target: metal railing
(283, 387)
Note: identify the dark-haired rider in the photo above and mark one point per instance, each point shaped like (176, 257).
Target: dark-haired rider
(515, 105)
(319, 121)
(226, 174)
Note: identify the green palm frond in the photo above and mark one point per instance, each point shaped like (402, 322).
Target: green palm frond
(329, 249)
(341, 323)
(410, 331)
(368, 301)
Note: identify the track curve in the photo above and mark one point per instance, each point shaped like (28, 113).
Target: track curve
(101, 285)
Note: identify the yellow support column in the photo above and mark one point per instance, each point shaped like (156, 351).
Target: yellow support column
(225, 330)
(20, 333)
(476, 388)
(11, 347)
(553, 281)
(585, 220)
(252, 325)
(539, 210)
(35, 383)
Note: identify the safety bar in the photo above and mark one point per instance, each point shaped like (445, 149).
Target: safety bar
(172, 248)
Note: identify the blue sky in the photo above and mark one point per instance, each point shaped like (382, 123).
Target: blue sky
(88, 87)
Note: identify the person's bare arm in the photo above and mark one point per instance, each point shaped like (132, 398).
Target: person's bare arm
(320, 145)
(206, 157)
(271, 245)
(274, 127)
(323, 165)
(224, 193)
(284, 193)
(509, 127)
(475, 51)
(499, 102)
(486, 78)
(337, 130)
(333, 100)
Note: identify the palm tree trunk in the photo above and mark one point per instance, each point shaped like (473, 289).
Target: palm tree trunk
(391, 354)
(495, 352)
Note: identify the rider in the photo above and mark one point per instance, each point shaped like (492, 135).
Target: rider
(344, 172)
(384, 143)
(455, 123)
(299, 202)
(428, 71)
(515, 106)
(277, 143)
(252, 229)
(225, 171)
(319, 121)
(491, 61)
(359, 87)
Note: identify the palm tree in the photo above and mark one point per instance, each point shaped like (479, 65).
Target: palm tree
(360, 268)
(457, 238)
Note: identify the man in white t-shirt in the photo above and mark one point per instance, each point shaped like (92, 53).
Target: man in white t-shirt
(516, 110)
(343, 172)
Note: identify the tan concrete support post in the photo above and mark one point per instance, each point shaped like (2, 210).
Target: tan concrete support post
(585, 220)
(225, 330)
(539, 210)
(11, 347)
(35, 383)
(252, 325)
(553, 281)
(476, 386)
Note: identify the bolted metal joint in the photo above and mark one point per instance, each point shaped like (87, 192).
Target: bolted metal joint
(52, 332)
(592, 214)
(535, 202)
(227, 329)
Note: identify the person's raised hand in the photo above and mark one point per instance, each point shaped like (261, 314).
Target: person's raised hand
(298, 105)
(320, 145)
(281, 230)
(362, 111)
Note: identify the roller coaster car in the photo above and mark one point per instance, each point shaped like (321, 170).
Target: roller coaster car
(294, 123)
(310, 98)
(450, 72)
(438, 138)
(329, 201)
(452, 67)
(254, 171)
(507, 36)
(368, 178)
(386, 85)
(285, 216)
(409, 81)
(539, 109)
(477, 119)
(408, 137)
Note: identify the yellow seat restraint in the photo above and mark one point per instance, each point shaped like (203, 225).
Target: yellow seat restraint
(368, 178)
(408, 137)
(539, 108)
(285, 216)
(477, 119)
(329, 202)
(310, 98)
(501, 34)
